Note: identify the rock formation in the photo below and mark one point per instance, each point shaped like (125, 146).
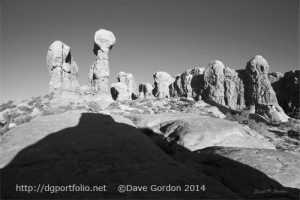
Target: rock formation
(62, 68)
(287, 89)
(214, 82)
(119, 91)
(104, 40)
(162, 82)
(223, 86)
(259, 92)
(176, 90)
(125, 89)
(128, 79)
(145, 91)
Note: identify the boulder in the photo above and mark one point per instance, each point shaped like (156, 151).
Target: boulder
(145, 90)
(62, 68)
(162, 82)
(104, 40)
(259, 92)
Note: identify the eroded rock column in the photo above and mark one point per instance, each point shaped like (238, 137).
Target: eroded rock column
(104, 40)
(62, 67)
(259, 92)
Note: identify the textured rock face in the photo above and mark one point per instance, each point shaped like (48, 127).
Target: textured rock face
(119, 91)
(104, 40)
(287, 88)
(214, 82)
(145, 90)
(111, 151)
(62, 67)
(197, 132)
(162, 82)
(176, 86)
(223, 86)
(259, 92)
(128, 79)
(267, 174)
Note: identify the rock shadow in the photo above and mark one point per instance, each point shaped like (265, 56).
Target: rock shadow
(101, 151)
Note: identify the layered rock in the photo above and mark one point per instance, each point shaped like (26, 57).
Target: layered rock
(62, 67)
(259, 92)
(145, 91)
(162, 82)
(223, 86)
(128, 79)
(104, 40)
(287, 88)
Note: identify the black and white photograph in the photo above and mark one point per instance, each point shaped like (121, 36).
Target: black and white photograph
(149, 99)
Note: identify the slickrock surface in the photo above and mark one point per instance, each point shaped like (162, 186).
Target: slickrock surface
(197, 132)
(93, 149)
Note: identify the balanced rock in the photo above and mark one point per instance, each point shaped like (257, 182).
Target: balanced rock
(62, 67)
(259, 92)
(145, 90)
(104, 40)
(162, 82)
(128, 79)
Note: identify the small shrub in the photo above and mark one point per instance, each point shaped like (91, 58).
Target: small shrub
(22, 119)
(4, 129)
(94, 106)
(135, 111)
(46, 96)
(52, 111)
(66, 108)
(25, 109)
(80, 107)
(7, 105)
(10, 115)
(114, 105)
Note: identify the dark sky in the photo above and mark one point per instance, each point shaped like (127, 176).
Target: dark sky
(152, 35)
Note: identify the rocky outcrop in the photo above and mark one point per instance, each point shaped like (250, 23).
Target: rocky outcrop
(104, 40)
(223, 86)
(119, 91)
(176, 85)
(62, 68)
(192, 82)
(259, 92)
(257, 174)
(197, 132)
(287, 89)
(145, 91)
(111, 151)
(162, 82)
(128, 79)
(125, 89)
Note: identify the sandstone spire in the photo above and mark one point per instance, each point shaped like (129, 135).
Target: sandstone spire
(62, 67)
(104, 40)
